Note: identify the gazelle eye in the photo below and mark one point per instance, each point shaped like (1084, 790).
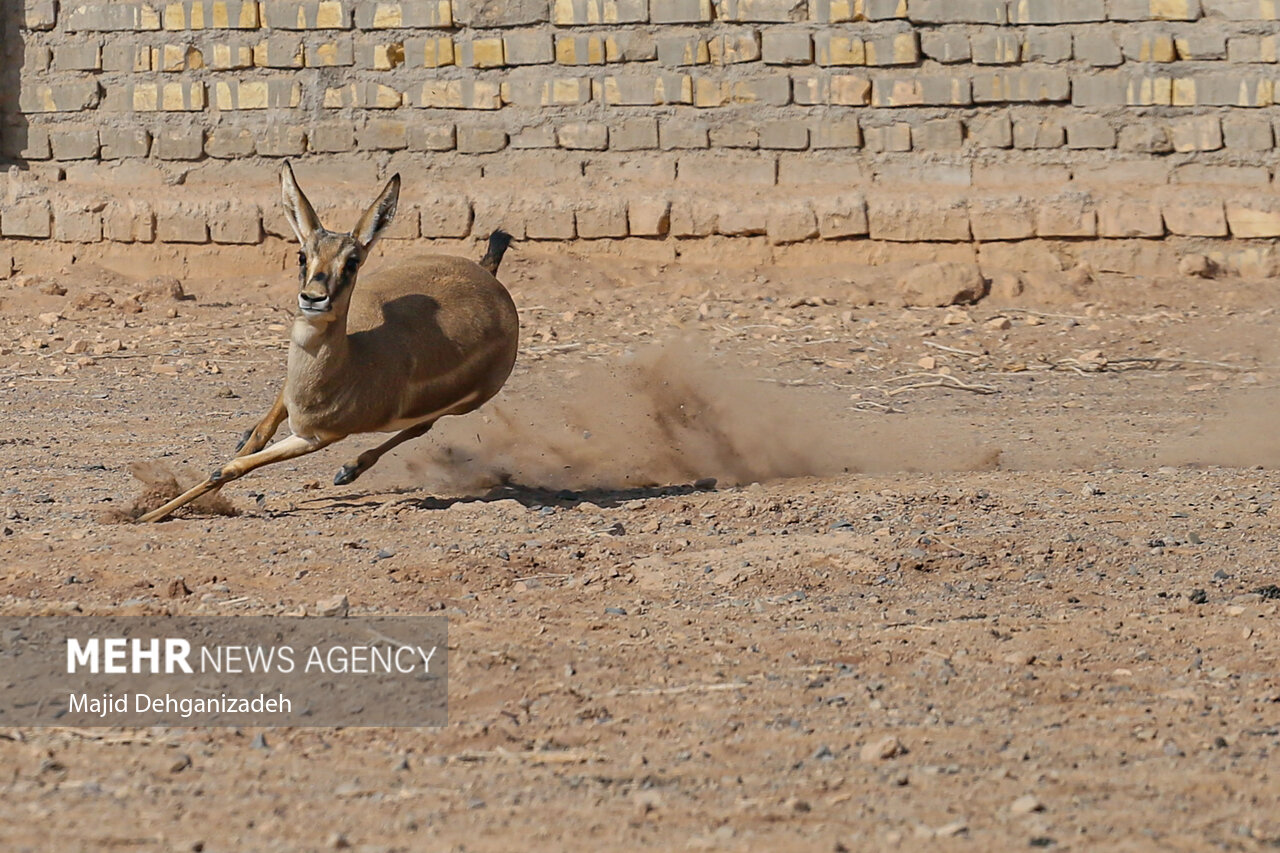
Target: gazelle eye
(302, 259)
(351, 265)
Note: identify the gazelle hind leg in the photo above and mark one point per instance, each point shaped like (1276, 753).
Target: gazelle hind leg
(349, 472)
(288, 448)
(256, 438)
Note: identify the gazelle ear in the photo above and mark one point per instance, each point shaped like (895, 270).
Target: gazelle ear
(379, 215)
(301, 215)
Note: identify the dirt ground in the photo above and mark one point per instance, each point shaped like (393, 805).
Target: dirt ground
(983, 578)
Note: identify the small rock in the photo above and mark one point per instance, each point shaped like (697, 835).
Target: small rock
(1020, 658)
(823, 753)
(52, 288)
(705, 484)
(1197, 265)
(938, 285)
(336, 607)
(1026, 804)
(882, 749)
(49, 318)
(402, 764)
(338, 841)
(182, 762)
(1000, 324)
(950, 830)
(178, 588)
(615, 611)
(259, 741)
(1198, 596)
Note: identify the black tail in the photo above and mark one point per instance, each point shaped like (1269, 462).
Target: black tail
(498, 242)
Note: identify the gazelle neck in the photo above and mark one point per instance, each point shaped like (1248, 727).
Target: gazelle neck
(318, 350)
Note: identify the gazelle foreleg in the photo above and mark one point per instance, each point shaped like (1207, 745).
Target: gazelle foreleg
(255, 439)
(287, 448)
(348, 473)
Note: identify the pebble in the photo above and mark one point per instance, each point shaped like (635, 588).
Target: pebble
(1198, 596)
(1026, 804)
(337, 606)
(259, 741)
(882, 749)
(615, 611)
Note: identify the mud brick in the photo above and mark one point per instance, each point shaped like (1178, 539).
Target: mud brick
(840, 89)
(73, 143)
(735, 220)
(678, 133)
(112, 17)
(129, 222)
(1021, 86)
(887, 137)
(996, 48)
(1196, 133)
(481, 14)
(280, 140)
(75, 223)
(1090, 132)
(308, 14)
(445, 216)
(939, 134)
(894, 49)
(992, 131)
(381, 56)
(1067, 215)
(118, 143)
(827, 168)
(1221, 176)
(953, 12)
(474, 139)
(831, 48)
(1249, 217)
(1000, 175)
(1149, 91)
(841, 216)
(879, 10)
(693, 217)
(480, 53)
(572, 13)
(921, 90)
(943, 45)
(432, 137)
(791, 223)
(383, 135)
(39, 14)
(928, 175)
(601, 218)
(649, 217)
(1242, 10)
(836, 133)
(1123, 217)
(531, 48)
(1153, 10)
(459, 95)
(735, 135)
(786, 134)
(234, 57)
(257, 94)
(340, 53)
(1145, 137)
(235, 222)
(689, 49)
(365, 95)
(647, 90)
(580, 50)
(1201, 47)
(331, 137)
(1039, 133)
(786, 47)
(77, 56)
(537, 136)
(679, 11)
(1101, 90)
(181, 223)
(734, 47)
(915, 219)
(1056, 11)
(547, 220)
(1003, 217)
(179, 143)
(1194, 215)
(36, 59)
(634, 134)
(583, 135)
(1098, 48)
(229, 143)
(1146, 45)
(711, 167)
(1050, 45)
(630, 46)
(29, 218)
(610, 168)
(1243, 133)
(408, 14)
(764, 11)
(1219, 90)
(177, 57)
(126, 56)
(1248, 49)
(58, 97)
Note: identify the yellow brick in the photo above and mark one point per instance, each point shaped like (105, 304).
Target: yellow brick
(386, 97)
(710, 93)
(567, 90)
(850, 91)
(241, 96)
(339, 97)
(174, 57)
(386, 15)
(221, 20)
(1184, 92)
(388, 56)
(227, 57)
(1150, 91)
(174, 96)
(903, 50)
(148, 17)
(842, 50)
(1267, 9)
(438, 52)
(683, 93)
(145, 99)
(1158, 48)
(567, 52)
(328, 16)
(695, 53)
(487, 53)
(1171, 10)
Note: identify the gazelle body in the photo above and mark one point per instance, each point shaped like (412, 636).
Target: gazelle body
(433, 336)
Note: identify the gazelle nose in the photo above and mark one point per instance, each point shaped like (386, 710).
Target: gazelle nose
(313, 303)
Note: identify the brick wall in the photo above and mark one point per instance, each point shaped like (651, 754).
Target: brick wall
(788, 120)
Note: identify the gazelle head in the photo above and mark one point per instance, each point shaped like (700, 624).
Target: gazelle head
(329, 261)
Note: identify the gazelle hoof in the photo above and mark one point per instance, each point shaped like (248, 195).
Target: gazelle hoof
(346, 474)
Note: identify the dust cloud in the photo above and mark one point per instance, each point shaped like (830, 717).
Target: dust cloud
(160, 484)
(671, 414)
(1242, 434)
